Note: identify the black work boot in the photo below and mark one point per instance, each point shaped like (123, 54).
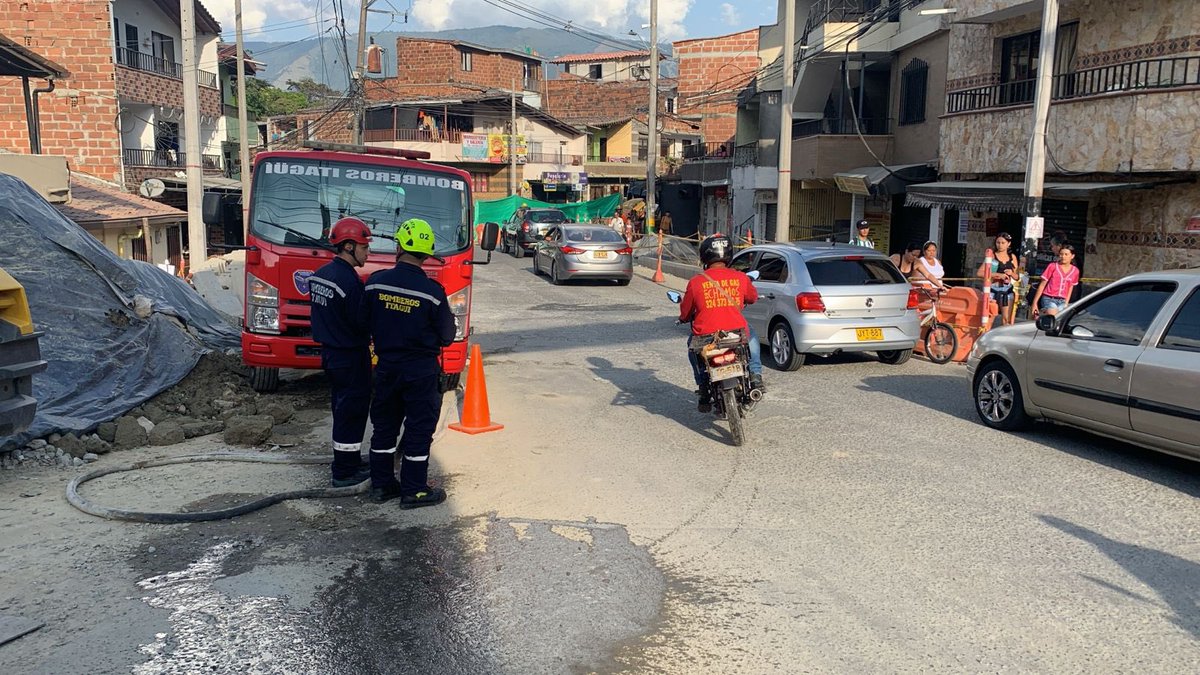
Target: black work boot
(360, 474)
(385, 493)
(430, 496)
(756, 382)
(704, 405)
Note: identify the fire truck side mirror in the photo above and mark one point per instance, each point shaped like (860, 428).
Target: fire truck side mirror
(490, 237)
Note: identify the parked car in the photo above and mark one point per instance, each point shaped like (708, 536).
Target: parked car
(523, 231)
(1123, 362)
(583, 251)
(821, 298)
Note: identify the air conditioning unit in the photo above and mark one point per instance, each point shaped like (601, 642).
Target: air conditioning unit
(639, 71)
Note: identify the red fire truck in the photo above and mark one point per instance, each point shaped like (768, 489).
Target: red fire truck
(297, 195)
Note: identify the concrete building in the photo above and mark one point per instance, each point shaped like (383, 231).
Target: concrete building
(1123, 142)
(607, 66)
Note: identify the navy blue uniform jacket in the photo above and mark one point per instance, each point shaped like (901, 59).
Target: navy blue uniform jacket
(336, 294)
(409, 319)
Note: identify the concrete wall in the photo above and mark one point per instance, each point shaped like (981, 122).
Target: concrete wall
(820, 157)
(916, 143)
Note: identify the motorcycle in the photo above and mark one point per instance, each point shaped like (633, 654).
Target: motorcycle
(725, 357)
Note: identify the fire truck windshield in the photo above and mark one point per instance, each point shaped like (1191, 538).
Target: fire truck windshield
(295, 202)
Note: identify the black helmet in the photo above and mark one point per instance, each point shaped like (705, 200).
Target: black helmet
(715, 248)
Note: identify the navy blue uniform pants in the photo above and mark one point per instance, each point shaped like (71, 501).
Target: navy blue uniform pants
(349, 373)
(415, 403)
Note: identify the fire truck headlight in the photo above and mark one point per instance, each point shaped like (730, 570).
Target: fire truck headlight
(262, 306)
(460, 307)
(264, 319)
(259, 292)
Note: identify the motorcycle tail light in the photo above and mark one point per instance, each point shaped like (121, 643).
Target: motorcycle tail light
(723, 358)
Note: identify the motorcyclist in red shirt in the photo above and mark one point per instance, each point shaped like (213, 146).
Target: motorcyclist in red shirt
(713, 302)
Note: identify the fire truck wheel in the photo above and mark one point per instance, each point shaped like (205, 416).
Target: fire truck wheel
(264, 380)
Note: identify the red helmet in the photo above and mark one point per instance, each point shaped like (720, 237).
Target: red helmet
(349, 229)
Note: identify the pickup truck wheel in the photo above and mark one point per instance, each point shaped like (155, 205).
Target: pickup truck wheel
(264, 380)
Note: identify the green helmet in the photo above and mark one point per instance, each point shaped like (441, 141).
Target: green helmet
(415, 236)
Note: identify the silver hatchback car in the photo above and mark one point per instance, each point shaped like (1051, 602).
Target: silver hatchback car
(1123, 362)
(819, 298)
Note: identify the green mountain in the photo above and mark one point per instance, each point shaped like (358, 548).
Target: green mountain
(325, 61)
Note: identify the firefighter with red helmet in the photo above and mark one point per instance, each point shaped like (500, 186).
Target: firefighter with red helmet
(336, 295)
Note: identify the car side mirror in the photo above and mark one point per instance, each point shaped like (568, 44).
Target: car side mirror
(675, 296)
(491, 233)
(1045, 323)
(753, 274)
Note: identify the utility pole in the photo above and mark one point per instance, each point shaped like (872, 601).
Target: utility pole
(197, 230)
(652, 154)
(243, 136)
(783, 190)
(1035, 173)
(512, 141)
(360, 72)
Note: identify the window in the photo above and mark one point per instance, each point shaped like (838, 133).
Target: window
(466, 61)
(164, 54)
(531, 72)
(853, 271)
(131, 37)
(1184, 332)
(914, 85)
(166, 136)
(772, 267)
(743, 262)
(643, 148)
(671, 104)
(479, 182)
(1122, 316)
(596, 71)
(1019, 62)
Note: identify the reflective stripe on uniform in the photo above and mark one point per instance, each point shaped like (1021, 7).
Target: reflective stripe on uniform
(346, 447)
(325, 282)
(404, 291)
(385, 451)
(422, 458)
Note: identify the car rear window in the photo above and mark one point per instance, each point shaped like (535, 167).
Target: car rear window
(595, 235)
(853, 271)
(547, 217)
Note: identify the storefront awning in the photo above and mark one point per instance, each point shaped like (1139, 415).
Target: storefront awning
(878, 181)
(1003, 197)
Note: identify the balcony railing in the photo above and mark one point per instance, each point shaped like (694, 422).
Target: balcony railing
(412, 136)
(611, 159)
(833, 126)
(168, 159)
(1151, 74)
(745, 155)
(150, 63)
(555, 158)
(708, 151)
(845, 11)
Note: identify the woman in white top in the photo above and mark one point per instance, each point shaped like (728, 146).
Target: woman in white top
(928, 270)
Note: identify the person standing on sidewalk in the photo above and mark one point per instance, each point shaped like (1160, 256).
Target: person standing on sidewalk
(335, 294)
(1002, 272)
(863, 238)
(1058, 281)
(410, 320)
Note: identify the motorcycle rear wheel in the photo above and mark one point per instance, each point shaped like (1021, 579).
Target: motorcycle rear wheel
(733, 415)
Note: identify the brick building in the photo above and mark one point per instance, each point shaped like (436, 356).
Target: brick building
(123, 58)
(429, 68)
(712, 71)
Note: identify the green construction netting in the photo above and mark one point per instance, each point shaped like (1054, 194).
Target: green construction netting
(500, 210)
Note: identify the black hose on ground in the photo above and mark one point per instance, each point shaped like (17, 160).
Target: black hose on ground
(83, 504)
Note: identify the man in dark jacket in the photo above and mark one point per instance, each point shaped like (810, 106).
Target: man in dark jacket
(410, 321)
(336, 293)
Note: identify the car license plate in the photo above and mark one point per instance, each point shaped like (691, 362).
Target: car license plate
(868, 334)
(599, 254)
(726, 372)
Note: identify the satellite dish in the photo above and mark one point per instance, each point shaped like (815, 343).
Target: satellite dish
(151, 187)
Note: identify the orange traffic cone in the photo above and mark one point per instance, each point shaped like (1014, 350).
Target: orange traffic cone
(476, 418)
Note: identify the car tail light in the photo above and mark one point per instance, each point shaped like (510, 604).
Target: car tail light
(628, 250)
(810, 302)
(852, 257)
(525, 226)
(722, 358)
(914, 299)
(571, 250)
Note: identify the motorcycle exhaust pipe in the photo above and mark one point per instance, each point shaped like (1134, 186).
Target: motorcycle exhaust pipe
(756, 395)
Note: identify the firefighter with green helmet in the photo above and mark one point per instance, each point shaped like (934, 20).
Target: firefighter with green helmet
(410, 322)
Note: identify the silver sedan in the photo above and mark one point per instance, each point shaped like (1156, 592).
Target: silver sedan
(1123, 362)
(583, 252)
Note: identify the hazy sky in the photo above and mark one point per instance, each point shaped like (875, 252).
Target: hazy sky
(287, 20)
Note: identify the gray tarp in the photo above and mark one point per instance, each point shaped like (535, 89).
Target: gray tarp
(103, 359)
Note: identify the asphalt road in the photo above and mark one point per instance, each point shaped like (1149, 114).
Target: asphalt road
(871, 524)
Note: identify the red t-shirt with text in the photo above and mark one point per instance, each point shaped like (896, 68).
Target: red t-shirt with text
(712, 308)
